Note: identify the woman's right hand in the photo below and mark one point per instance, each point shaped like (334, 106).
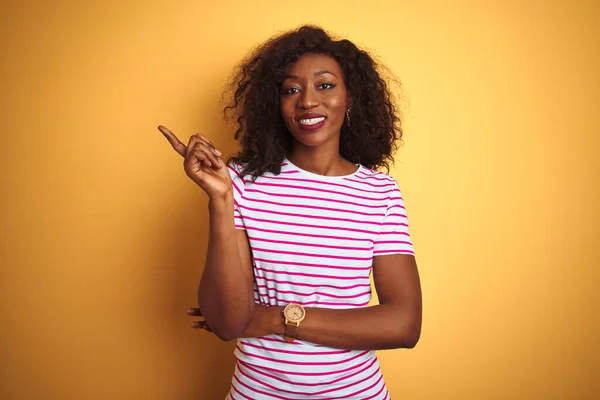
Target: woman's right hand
(203, 164)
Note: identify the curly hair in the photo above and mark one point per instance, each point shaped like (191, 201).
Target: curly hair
(371, 140)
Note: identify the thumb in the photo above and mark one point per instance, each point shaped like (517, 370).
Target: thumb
(223, 169)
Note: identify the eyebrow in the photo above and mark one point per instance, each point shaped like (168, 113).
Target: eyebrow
(322, 72)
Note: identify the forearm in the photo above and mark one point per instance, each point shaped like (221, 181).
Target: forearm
(385, 326)
(224, 297)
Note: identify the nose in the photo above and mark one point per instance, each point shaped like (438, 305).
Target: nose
(308, 99)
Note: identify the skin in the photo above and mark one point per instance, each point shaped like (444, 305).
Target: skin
(396, 321)
(225, 294)
(315, 84)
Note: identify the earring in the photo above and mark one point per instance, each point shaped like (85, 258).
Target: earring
(348, 116)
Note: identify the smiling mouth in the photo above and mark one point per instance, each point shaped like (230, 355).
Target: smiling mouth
(311, 124)
(311, 121)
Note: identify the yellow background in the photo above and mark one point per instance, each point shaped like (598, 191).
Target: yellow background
(104, 237)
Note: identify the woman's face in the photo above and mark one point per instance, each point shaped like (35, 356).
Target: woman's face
(314, 100)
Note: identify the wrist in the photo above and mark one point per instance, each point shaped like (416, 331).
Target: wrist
(221, 202)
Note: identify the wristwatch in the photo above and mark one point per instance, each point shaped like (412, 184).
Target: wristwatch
(293, 314)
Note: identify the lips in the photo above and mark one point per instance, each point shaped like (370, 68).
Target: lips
(311, 121)
(310, 116)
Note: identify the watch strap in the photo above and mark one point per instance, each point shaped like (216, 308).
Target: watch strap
(291, 331)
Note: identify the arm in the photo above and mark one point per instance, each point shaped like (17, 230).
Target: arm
(226, 288)
(394, 323)
(225, 294)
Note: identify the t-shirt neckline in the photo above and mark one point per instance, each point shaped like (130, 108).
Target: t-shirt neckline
(323, 177)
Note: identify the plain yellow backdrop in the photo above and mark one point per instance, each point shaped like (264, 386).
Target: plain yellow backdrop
(104, 237)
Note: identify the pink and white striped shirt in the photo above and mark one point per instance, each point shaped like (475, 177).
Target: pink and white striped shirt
(313, 239)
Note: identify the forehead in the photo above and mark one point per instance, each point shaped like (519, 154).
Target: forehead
(310, 63)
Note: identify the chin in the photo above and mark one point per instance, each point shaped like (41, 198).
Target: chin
(307, 141)
(312, 139)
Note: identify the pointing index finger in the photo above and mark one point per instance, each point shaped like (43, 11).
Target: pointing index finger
(176, 143)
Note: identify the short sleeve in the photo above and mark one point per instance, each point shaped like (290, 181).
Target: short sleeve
(239, 185)
(394, 237)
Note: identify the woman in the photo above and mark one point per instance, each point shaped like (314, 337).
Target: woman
(299, 219)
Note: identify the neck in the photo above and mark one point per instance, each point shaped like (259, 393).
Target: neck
(320, 160)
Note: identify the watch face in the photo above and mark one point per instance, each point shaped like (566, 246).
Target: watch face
(294, 312)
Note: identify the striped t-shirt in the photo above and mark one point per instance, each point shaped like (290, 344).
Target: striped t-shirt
(313, 239)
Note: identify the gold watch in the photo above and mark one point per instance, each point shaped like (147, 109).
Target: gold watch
(293, 314)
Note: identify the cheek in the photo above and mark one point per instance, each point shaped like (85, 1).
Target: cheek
(337, 106)
(287, 114)
(286, 111)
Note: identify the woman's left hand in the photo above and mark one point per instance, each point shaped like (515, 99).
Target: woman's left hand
(265, 321)
(195, 312)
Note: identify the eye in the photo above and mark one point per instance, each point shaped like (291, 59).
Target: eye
(291, 90)
(326, 86)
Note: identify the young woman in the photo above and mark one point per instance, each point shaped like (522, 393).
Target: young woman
(300, 218)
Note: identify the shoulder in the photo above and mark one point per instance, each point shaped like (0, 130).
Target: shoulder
(385, 184)
(237, 180)
(236, 171)
(376, 177)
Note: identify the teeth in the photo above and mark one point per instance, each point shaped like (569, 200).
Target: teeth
(311, 121)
